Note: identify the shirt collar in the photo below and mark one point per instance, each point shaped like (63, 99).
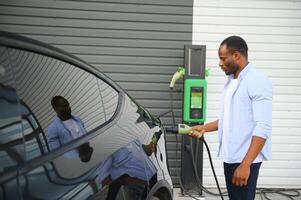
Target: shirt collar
(242, 74)
(59, 120)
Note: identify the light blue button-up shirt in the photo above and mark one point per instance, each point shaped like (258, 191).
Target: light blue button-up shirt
(250, 115)
(131, 160)
(58, 135)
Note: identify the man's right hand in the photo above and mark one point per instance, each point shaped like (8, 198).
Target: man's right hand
(199, 130)
(202, 129)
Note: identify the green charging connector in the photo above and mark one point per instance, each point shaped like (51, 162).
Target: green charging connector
(187, 130)
(184, 129)
(178, 74)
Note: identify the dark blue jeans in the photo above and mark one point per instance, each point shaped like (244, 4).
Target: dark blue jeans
(245, 192)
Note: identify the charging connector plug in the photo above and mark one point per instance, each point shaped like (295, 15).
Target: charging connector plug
(178, 74)
(183, 129)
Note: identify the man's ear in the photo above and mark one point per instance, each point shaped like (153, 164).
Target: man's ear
(236, 55)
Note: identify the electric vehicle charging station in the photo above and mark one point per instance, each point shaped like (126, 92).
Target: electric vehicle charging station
(194, 112)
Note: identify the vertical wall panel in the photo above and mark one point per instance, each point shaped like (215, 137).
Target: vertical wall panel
(272, 30)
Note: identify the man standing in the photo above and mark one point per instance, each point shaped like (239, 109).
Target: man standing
(65, 128)
(245, 121)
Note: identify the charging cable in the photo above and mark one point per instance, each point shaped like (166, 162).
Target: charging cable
(193, 160)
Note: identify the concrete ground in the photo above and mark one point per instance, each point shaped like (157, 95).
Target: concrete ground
(179, 196)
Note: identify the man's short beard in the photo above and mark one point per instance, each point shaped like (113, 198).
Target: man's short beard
(228, 73)
(233, 70)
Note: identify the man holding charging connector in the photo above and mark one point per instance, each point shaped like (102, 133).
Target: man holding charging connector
(245, 121)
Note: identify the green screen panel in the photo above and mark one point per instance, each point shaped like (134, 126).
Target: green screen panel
(196, 100)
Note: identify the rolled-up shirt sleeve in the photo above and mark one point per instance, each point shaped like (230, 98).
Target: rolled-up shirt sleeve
(261, 93)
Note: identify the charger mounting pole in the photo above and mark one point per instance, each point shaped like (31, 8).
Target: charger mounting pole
(194, 112)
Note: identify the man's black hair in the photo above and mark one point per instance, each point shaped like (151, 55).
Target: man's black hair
(236, 43)
(55, 100)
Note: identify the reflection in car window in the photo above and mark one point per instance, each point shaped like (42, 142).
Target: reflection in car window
(120, 168)
(11, 146)
(126, 141)
(145, 116)
(11, 138)
(127, 153)
(122, 155)
(129, 166)
(65, 128)
(34, 138)
(44, 184)
(39, 78)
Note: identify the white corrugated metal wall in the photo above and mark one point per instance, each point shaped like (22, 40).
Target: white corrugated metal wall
(272, 30)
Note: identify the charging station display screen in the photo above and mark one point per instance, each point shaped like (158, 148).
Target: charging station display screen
(196, 99)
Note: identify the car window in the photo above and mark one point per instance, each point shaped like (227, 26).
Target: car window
(34, 138)
(11, 135)
(120, 133)
(39, 78)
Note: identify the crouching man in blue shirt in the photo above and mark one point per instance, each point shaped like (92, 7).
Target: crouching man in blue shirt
(245, 121)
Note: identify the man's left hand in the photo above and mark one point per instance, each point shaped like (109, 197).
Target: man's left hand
(241, 175)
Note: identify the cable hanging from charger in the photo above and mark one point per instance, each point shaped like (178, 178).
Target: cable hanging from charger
(177, 164)
(195, 171)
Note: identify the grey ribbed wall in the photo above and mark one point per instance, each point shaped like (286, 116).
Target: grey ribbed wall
(138, 43)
